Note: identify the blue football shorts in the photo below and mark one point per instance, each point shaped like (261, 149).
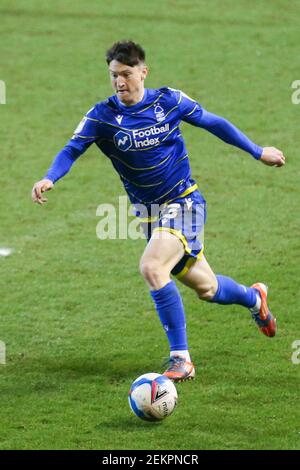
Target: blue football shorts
(185, 218)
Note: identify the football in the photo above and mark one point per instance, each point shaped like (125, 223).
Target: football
(152, 397)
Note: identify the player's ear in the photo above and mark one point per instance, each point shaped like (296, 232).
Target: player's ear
(144, 72)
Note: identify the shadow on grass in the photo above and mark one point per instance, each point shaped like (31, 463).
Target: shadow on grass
(128, 424)
(113, 370)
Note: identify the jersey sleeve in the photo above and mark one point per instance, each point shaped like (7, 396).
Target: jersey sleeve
(189, 110)
(62, 163)
(87, 131)
(85, 134)
(228, 132)
(192, 112)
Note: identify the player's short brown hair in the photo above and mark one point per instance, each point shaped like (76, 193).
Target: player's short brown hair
(126, 52)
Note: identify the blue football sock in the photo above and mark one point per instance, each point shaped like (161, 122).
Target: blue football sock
(169, 306)
(230, 292)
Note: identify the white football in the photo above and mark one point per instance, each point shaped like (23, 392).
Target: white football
(152, 397)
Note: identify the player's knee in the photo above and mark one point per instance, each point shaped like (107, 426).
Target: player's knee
(151, 270)
(207, 291)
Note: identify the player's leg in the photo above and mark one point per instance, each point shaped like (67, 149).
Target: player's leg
(201, 278)
(219, 289)
(162, 253)
(224, 290)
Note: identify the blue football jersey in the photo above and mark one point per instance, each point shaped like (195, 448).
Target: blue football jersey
(144, 142)
(145, 145)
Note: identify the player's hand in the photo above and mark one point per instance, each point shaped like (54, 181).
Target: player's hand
(39, 188)
(271, 156)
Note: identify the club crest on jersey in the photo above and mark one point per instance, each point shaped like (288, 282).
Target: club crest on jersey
(122, 140)
(159, 112)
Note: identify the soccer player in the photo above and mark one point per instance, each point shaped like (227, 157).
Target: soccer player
(138, 130)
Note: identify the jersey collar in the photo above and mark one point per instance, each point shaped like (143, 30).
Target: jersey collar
(134, 106)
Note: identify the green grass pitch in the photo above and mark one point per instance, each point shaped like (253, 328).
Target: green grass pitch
(75, 315)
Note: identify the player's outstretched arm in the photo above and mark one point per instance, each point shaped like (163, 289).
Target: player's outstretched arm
(60, 167)
(271, 156)
(39, 188)
(65, 159)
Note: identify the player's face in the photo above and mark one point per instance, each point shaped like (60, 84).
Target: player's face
(128, 82)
